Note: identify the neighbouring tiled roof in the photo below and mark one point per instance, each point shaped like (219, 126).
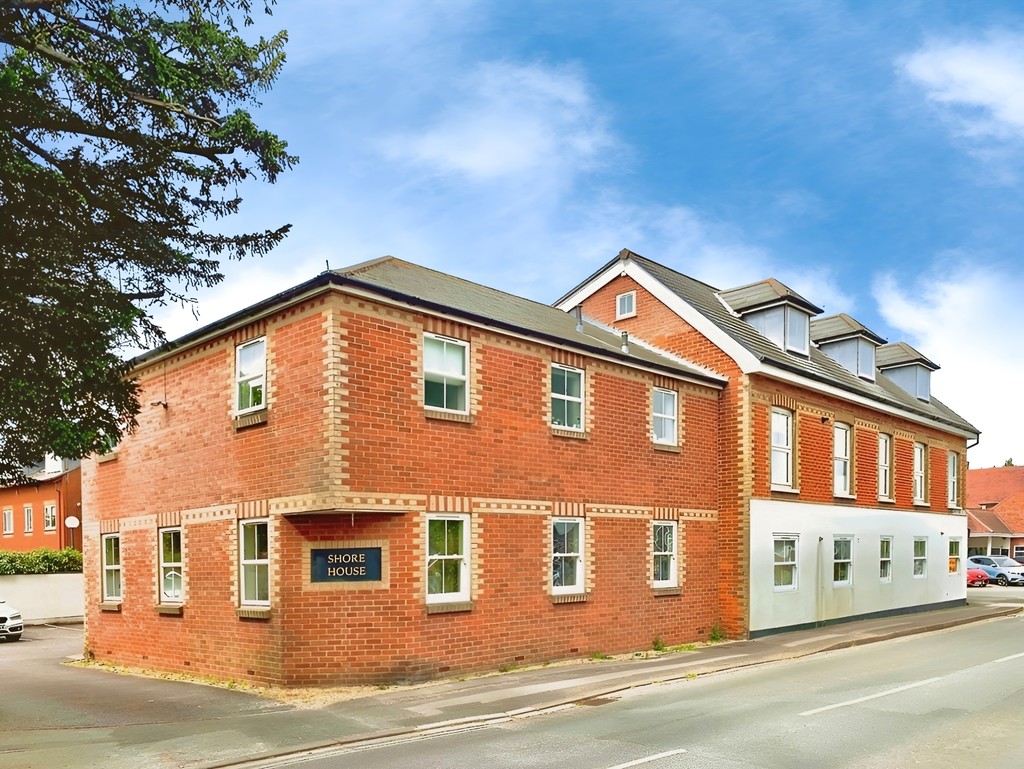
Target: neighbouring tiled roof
(1011, 511)
(900, 354)
(763, 294)
(986, 522)
(841, 326)
(447, 292)
(817, 366)
(991, 485)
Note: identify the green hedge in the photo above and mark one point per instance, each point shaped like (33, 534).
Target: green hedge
(45, 560)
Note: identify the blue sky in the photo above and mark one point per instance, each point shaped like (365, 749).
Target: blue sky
(869, 155)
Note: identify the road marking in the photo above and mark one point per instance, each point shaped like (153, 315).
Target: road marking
(897, 690)
(1011, 657)
(649, 759)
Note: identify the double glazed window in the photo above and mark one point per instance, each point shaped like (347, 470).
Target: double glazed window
(111, 566)
(884, 466)
(954, 556)
(445, 373)
(782, 448)
(787, 326)
(920, 557)
(625, 305)
(251, 375)
(49, 517)
(952, 479)
(30, 522)
(785, 562)
(920, 474)
(566, 397)
(666, 570)
(8, 520)
(663, 414)
(841, 453)
(254, 541)
(842, 560)
(567, 556)
(171, 566)
(448, 573)
(885, 559)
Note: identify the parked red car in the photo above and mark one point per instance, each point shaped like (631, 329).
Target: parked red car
(976, 577)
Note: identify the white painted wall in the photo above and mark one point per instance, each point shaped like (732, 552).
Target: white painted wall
(816, 599)
(45, 597)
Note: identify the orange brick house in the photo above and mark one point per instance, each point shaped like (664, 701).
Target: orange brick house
(387, 473)
(36, 513)
(841, 476)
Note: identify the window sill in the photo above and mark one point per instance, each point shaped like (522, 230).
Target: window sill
(253, 612)
(449, 608)
(850, 497)
(672, 448)
(250, 419)
(887, 500)
(111, 606)
(447, 416)
(566, 432)
(170, 609)
(785, 489)
(920, 503)
(570, 598)
(660, 592)
(110, 456)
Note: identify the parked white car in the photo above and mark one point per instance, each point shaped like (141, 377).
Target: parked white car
(10, 622)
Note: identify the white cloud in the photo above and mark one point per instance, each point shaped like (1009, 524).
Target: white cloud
(508, 119)
(979, 84)
(963, 321)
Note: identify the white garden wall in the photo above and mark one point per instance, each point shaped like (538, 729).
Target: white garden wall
(45, 597)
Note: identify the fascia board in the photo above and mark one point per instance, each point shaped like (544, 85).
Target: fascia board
(845, 395)
(746, 360)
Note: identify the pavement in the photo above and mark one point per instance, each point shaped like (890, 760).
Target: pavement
(161, 723)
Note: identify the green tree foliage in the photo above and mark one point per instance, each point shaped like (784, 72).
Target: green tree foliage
(44, 560)
(123, 139)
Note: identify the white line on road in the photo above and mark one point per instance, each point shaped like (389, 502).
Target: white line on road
(897, 690)
(1011, 657)
(649, 759)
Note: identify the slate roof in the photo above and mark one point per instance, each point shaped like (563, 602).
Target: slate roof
(817, 366)
(447, 293)
(840, 326)
(765, 293)
(900, 354)
(991, 485)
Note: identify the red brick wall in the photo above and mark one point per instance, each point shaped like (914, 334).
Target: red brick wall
(65, 492)
(187, 464)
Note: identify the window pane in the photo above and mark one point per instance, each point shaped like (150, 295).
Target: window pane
(783, 576)
(662, 568)
(565, 571)
(572, 384)
(455, 359)
(112, 584)
(433, 392)
(566, 537)
(251, 359)
(797, 327)
(433, 354)
(573, 414)
(558, 380)
(775, 325)
(435, 538)
(113, 551)
(454, 537)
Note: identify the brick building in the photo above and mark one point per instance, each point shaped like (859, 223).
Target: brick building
(995, 510)
(840, 475)
(36, 513)
(388, 473)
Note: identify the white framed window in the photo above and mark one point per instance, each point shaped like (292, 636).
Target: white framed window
(448, 574)
(566, 397)
(953, 479)
(663, 416)
(251, 375)
(567, 551)
(954, 556)
(884, 466)
(254, 561)
(920, 473)
(30, 522)
(782, 448)
(842, 561)
(666, 570)
(841, 453)
(8, 520)
(172, 566)
(49, 517)
(785, 556)
(920, 557)
(885, 559)
(625, 305)
(111, 566)
(445, 374)
(787, 326)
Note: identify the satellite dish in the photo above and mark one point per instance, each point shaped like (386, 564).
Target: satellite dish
(72, 521)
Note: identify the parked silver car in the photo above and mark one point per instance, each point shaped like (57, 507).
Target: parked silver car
(10, 622)
(1000, 569)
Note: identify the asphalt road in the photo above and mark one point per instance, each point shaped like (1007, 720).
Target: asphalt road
(943, 700)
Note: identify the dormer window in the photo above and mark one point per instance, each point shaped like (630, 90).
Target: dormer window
(787, 326)
(848, 343)
(906, 368)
